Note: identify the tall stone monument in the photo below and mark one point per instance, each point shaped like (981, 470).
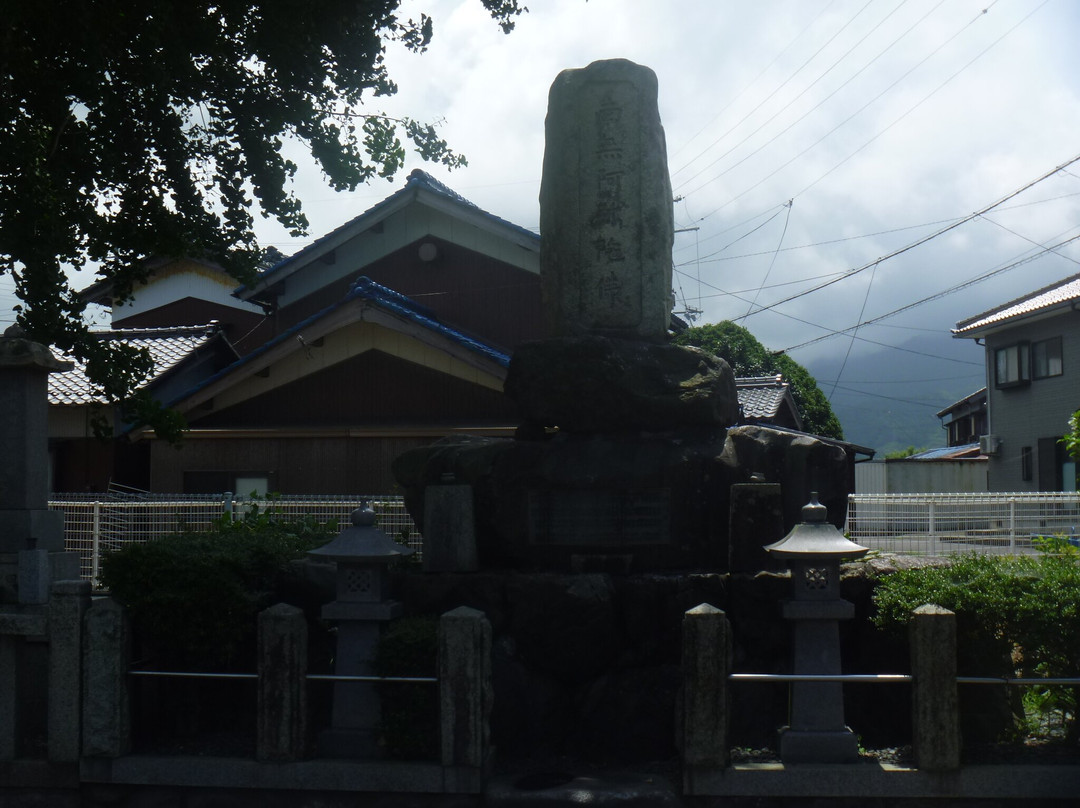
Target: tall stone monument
(606, 205)
(628, 447)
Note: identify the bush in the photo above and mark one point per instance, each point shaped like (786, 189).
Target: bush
(193, 597)
(1016, 615)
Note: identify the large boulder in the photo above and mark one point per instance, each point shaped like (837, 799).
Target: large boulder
(600, 384)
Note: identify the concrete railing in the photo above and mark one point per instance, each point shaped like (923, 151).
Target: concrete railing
(282, 730)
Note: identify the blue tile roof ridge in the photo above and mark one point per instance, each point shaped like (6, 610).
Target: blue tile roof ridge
(381, 296)
(418, 178)
(401, 304)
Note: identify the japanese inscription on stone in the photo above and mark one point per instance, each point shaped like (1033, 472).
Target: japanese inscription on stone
(599, 518)
(605, 205)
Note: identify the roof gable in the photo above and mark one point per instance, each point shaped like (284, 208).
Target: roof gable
(369, 317)
(420, 189)
(1040, 303)
(764, 398)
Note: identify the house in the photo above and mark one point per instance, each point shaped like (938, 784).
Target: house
(390, 332)
(393, 329)
(182, 356)
(768, 400)
(1032, 349)
(964, 421)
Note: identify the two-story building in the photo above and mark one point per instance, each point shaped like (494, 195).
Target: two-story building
(1032, 386)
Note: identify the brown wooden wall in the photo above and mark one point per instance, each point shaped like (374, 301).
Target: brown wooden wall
(373, 388)
(296, 465)
(469, 291)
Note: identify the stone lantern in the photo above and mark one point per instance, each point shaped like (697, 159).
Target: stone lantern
(363, 553)
(813, 549)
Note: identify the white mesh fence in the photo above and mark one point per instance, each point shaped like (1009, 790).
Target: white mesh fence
(941, 524)
(95, 525)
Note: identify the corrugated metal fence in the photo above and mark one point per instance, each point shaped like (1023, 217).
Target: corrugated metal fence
(95, 524)
(936, 524)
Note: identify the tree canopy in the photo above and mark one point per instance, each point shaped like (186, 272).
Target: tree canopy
(748, 357)
(131, 129)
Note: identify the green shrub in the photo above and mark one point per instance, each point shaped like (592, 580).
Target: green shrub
(1016, 615)
(410, 712)
(193, 597)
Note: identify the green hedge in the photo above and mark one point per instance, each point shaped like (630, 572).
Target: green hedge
(193, 597)
(1016, 615)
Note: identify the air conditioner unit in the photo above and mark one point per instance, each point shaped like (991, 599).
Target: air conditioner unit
(989, 445)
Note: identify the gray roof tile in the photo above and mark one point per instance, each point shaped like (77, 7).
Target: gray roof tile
(761, 396)
(168, 347)
(1065, 291)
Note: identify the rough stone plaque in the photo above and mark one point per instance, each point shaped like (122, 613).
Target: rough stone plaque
(599, 518)
(606, 214)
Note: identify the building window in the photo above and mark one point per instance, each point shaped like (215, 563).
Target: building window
(1025, 463)
(1046, 358)
(1011, 365)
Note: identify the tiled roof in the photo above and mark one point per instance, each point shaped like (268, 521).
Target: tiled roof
(418, 180)
(970, 451)
(761, 396)
(1057, 294)
(168, 347)
(976, 400)
(387, 299)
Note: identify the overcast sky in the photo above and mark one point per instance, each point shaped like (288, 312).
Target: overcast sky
(880, 122)
(805, 139)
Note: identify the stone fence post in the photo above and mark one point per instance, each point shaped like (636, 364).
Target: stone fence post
(68, 604)
(706, 663)
(449, 529)
(465, 695)
(935, 706)
(282, 720)
(106, 655)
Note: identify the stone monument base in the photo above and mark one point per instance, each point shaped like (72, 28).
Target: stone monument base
(620, 502)
(805, 746)
(600, 384)
(351, 744)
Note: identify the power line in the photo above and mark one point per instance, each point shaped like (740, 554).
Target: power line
(744, 90)
(776, 252)
(919, 242)
(770, 96)
(818, 105)
(867, 104)
(711, 259)
(951, 290)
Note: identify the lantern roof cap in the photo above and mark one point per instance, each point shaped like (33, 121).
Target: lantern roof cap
(361, 541)
(815, 537)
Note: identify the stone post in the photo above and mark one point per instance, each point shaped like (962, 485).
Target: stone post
(935, 705)
(706, 663)
(69, 602)
(756, 519)
(25, 519)
(9, 695)
(106, 708)
(465, 688)
(449, 529)
(282, 722)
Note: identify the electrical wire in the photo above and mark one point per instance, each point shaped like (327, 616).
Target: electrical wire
(921, 241)
(944, 293)
(818, 105)
(783, 84)
(772, 262)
